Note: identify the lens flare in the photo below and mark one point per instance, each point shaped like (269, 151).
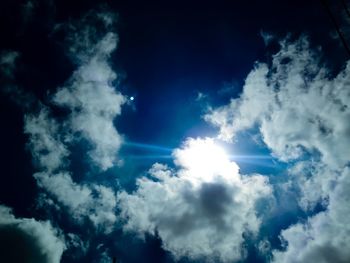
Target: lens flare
(203, 159)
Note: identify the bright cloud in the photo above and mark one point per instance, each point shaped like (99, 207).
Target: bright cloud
(302, 113)
(95, 202)
(90, 96)
(202, 209)
(325, 236)
(295, 105)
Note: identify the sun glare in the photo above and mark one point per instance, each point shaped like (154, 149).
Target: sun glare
(205, 159)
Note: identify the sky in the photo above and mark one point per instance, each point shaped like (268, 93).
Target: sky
(174, 131)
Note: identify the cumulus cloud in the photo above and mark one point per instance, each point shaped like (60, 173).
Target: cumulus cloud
(324, 237)
(299, 109)
(296, 105)
(46, 143)
(202, 209)
(90, 96)
(92, 103)
(302, 113)
(28, 240)
(95, 202)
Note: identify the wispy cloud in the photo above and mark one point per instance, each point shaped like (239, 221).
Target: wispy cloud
(8, 62)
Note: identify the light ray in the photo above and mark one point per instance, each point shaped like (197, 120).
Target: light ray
(149, 147)
(149, 157)
(251, 157)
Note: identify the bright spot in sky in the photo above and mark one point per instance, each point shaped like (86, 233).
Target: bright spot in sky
(132, 98)
(204, 159)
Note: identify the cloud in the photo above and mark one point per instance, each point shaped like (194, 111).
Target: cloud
(89, 200)
(91, 103)
(315, 180)
(8, 69)
(77, 244)
(91, 36)
(302, 113)
(28, 10)
(295, 104)
(45, 142)
(299, 110)
(8, 62)
(95, 202)
(28, 240)
(202, 209)
(267, 37)
(89, 94)
(325, 236)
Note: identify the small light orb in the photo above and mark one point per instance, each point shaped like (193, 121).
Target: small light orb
(132, 98)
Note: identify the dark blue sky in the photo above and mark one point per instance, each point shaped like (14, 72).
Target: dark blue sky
(168, 53)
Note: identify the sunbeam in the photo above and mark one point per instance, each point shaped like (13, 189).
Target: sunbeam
(147, 147)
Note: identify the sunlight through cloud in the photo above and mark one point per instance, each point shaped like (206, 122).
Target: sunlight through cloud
(205, 159)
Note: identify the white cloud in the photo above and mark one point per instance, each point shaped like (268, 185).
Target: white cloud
(93, 101)
(295, 104)
(95, 202)
(324, 237)
(264, 247)
(202, 209)
(93, 104)
(45, 141)
(302, 113)
(91, 35)
(316, 181)
(28, 240)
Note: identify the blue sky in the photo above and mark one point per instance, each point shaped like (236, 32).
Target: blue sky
(174, 132)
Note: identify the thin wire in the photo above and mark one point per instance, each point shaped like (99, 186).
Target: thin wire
(342, 38)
